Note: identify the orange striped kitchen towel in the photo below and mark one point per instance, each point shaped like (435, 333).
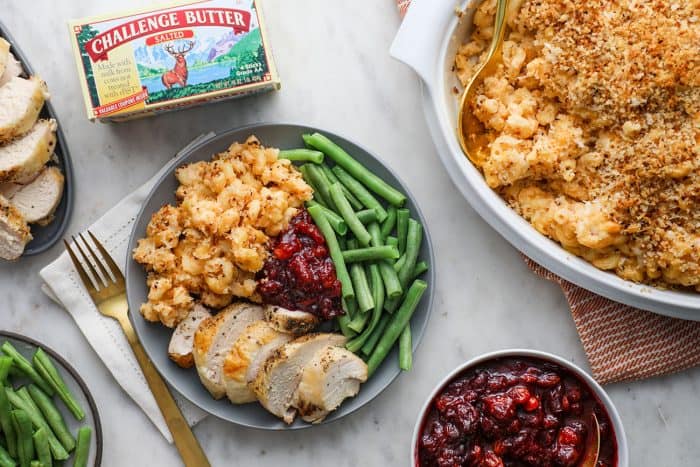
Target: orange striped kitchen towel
(623, 343)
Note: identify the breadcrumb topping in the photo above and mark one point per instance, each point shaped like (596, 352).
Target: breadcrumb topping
(594, 126)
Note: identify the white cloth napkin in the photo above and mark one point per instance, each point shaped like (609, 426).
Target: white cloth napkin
(62, 284)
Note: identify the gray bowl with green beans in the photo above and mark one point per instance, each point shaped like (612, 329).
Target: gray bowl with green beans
(47, 414)
(385, 233)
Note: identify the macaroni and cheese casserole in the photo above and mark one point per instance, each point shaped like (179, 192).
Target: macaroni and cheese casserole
(212, 243)
(593, 125)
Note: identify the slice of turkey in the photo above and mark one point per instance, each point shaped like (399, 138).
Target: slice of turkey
(4, 55)
(252, 348)
(14, 231)
(182, 340)
(20, 102)
(12, 68)
(23, 158)
(332, 375)
(38, 199)
(293, 322)
(277, 382)
(214, 338)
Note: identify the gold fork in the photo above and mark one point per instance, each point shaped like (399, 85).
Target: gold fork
(109, 295)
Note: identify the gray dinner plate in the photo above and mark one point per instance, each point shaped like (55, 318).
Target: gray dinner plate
(27, 346)
(45, 236)
(155, 337)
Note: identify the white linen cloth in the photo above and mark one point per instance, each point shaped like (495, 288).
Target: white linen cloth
(62, 284)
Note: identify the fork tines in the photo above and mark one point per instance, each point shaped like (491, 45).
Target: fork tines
(88, 262)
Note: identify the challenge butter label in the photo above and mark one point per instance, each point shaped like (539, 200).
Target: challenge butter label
(162, 59)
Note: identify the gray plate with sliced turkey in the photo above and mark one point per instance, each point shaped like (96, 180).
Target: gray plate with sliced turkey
(47, 232)
(156, 337)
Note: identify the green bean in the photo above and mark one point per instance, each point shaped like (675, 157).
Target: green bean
(359, 321)
(392, 241)
(341, 269)
(402, 216)
(413, 242)
(368, 347)
(361, 287)
(43, 365)
(57, 449)
(378, 295)
(357, 170)
(389, 277)
(392, 284)
(399, 264)
(343, 207)
(25, 444)
(25, 367)
(6, 460)
(354, 202)
(376, 234)
(337, 222)
(6, 422)
(405, 349)
(344, 323)
(389, 222)
(342, 243)
(357, 189)
(41, 446)
(420, 268)
(320, 181)
(370, 253)
(367, 215)
(318, 197)
(398, 322)
(301, 155)
(5, 366)
(53, 417)
(35, 464)
(82, 450)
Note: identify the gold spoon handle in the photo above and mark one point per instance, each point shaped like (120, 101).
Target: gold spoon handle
(185, 442)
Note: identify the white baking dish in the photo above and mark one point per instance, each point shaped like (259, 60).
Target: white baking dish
(427, 42)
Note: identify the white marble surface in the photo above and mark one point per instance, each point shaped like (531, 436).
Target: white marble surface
(336, 74)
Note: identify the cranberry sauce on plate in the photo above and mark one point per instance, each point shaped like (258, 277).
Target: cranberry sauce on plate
(514, 412)
(299, 273)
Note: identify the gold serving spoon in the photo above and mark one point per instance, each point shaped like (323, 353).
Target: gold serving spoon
(471, 134)
(590, 455)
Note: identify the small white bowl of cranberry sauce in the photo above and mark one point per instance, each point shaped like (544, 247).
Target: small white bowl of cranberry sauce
(517, 408)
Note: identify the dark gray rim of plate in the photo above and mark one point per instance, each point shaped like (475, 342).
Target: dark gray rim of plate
(52, 232)
(427, 240)
(78, 379)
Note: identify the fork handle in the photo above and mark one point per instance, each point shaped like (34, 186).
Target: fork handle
(188, 446)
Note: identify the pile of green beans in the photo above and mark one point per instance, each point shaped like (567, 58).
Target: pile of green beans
(33, 432)
(374, 244)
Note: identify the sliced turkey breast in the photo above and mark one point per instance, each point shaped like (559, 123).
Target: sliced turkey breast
(12, 68)
(14, 231)
(214, 338)
(277, 381)
(38, 199)
(243, 360)
(182, 340)
(292, 322)
(332, 375)
(23, 158)
(20, 102)
(4, 55)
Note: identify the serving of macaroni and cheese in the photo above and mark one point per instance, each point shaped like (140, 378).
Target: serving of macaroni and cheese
(211, 244)
(593, 124)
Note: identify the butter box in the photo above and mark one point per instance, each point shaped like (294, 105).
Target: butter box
(167, 58)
